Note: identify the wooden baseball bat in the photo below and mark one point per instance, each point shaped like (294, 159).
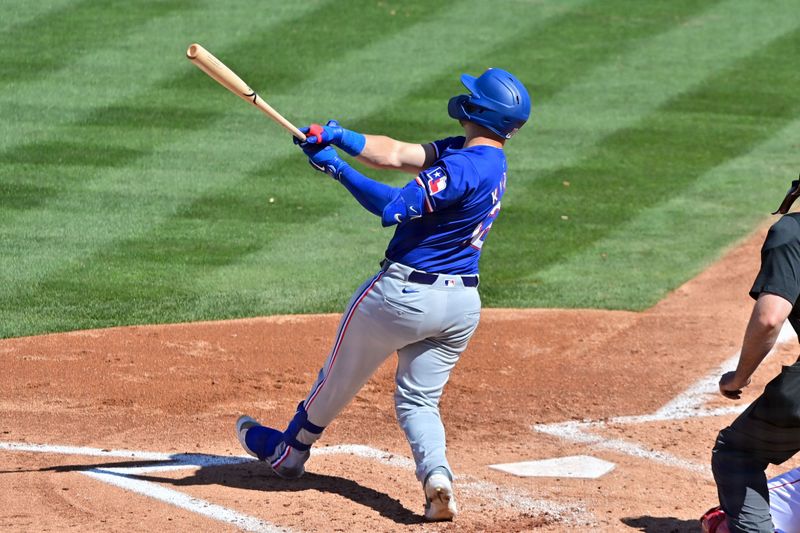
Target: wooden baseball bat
(205, 61)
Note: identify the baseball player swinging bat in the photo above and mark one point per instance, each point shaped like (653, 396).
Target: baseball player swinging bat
(205, 61)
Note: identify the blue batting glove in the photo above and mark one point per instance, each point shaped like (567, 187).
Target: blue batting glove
(349, 141)
(321, 135)
(331, 133)
(325, 160)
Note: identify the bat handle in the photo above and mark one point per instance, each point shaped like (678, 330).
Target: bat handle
(277, 117)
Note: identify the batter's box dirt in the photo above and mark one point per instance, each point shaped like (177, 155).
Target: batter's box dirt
(383, 499)
(180, 388)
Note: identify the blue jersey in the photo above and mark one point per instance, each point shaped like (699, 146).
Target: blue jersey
(462, 192)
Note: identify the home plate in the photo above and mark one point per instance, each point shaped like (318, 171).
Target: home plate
(582, 466)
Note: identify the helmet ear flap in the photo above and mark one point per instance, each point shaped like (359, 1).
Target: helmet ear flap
(456, 107)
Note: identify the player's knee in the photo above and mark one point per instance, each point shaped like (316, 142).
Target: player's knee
(750, 523)
(407, 402)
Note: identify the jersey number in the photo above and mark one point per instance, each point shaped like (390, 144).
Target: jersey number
(480, 233)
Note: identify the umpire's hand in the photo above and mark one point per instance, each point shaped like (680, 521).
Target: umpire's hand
(730, 386)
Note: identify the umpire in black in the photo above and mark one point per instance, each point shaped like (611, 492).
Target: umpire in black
(768, 431)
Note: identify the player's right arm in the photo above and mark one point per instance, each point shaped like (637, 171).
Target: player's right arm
(376, 151)
(763, 328)
(776, 289)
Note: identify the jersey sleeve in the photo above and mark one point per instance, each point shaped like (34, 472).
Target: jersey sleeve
(441, 145)
(446, 182)
(780, 261)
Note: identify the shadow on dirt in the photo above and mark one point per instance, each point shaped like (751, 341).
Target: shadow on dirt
(258, 476)
(247, 474)
(662, 524)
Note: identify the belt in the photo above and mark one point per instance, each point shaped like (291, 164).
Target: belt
(424, 278)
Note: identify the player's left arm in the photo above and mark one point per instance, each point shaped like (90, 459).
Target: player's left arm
(434, 188)
(373, 195)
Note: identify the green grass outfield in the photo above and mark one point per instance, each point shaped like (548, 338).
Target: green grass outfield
(133, 189)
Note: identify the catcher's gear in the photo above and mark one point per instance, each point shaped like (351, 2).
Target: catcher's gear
(714, 521)
(498, 101)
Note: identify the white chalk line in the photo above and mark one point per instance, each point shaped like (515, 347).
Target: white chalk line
(82, 450)
(688, 404)
(125, 477)
(183, 501)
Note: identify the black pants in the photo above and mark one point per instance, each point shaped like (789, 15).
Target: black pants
(767, 432)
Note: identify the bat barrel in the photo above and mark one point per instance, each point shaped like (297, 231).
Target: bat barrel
(219, 72)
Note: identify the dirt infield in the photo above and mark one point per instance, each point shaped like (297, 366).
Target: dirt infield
(132, 428)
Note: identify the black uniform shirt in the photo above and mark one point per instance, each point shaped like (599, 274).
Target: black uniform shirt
(780, 265)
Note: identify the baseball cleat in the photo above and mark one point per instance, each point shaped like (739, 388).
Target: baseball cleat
(440, 503)
(268, 445)
(288, 462)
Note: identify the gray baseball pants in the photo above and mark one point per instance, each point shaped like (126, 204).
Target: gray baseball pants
(428, 325)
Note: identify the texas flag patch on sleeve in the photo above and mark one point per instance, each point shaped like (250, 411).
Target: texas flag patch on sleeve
(437, 180)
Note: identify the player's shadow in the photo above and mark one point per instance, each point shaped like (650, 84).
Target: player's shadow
(662, 524)
(258, 476)
(252, 475)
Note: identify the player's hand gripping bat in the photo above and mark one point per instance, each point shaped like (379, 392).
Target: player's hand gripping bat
(215, 68)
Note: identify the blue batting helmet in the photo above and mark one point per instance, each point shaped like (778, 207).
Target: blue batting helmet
(498, 101)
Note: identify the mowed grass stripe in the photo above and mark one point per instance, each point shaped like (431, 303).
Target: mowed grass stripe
(78, 207)
(607, 151)
(18, 12)
(62, 303)
(674, 240)
(617, 94)
(266, 280)
(165, 106)
(125, 67)
(52, 41)
(744, 107)
(155, 111)
(548, 60)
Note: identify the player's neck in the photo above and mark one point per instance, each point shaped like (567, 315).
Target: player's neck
(479, 136)
(482, 141)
